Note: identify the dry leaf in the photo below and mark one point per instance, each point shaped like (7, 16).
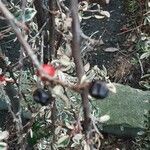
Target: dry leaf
(111, 87)
(111, 49)
(62, 139)
(58, 129)
(88, 17)
(65, 60)
(104, 118)
(4, 135)
(107, 1)
(68, 22)
(87, 67)
(77, 138)
(69, 126)
(86, 147)
(59, 91)
(105, 13)
(99, 17)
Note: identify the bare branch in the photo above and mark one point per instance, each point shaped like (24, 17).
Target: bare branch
(76, 53)
(52, 5)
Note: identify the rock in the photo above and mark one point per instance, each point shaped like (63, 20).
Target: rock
(126, 109)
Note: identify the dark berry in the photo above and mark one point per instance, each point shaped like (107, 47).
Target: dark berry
(98, 89)
(42, 96)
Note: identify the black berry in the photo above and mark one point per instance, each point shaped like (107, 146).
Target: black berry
(98, 89)
(42, 96)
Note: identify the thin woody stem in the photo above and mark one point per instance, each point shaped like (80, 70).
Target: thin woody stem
(79, 64)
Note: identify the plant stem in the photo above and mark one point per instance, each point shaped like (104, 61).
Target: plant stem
(79, 64)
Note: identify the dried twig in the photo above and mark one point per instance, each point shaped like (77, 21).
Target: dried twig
(79, 65)
(51, 27)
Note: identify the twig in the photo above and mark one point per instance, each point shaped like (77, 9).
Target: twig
(65, 8)
(51, 28)
(79, 65)
(141, 66)
(130, 30)
(20, 136)
(39, 31)
(92, 41)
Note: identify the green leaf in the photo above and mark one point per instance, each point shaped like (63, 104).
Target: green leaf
(28, 14)
(145, 55)
(63, 141)
(3, 146)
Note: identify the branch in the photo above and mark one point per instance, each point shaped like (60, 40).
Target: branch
(52, 5)
(76, 53)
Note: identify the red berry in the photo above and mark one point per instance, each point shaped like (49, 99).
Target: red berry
(49, 69)
(2, 78)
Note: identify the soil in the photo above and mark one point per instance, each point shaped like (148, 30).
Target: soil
(114, 32)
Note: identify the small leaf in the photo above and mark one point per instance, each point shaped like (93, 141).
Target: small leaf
(105, 13)
(58, 129)
(141, 133)
(67, 50)
(99, 17)
(68, 22)
(104, 118)
(1, 71)
(58, 90)
(87, 67)
(111, 49)
(86, 146)
(104, 71)
(148, 4)
(65, 60)
(63, 141)
(88, 17)
(111, 87)
(69, 126)
(31, 133)
(4, 135)
(77, 138)
(61, 76)
(145, 55)
(3, 146)
(74, 144)
(28, 15)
